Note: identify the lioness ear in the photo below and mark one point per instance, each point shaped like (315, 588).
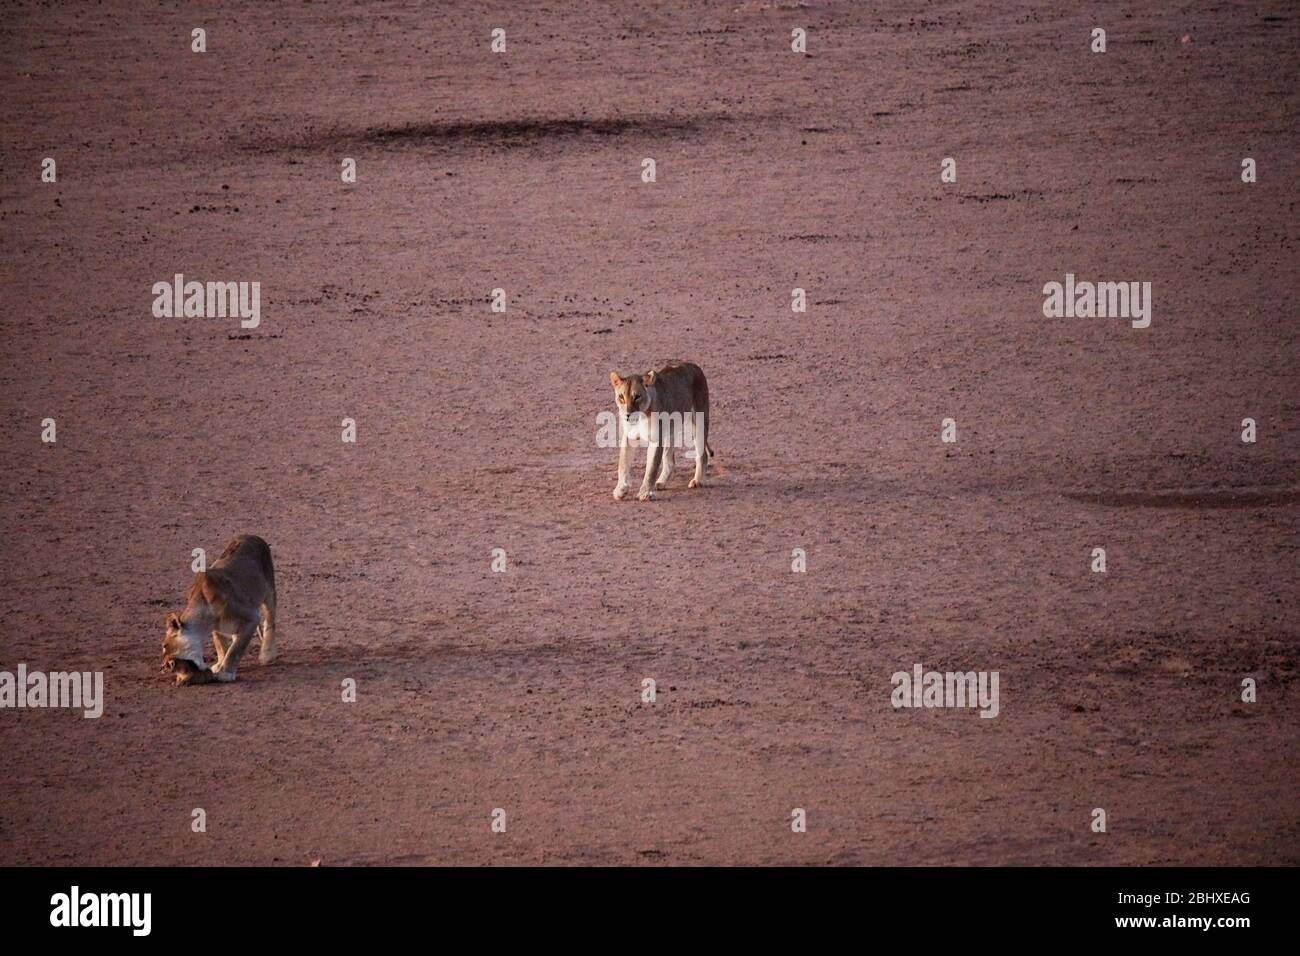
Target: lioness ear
(648, 378)
(173, 621)
(614, 379)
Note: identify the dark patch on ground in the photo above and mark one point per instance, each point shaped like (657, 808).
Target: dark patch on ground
(520, 133)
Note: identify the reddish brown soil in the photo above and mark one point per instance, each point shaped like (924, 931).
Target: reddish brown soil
(521, 690)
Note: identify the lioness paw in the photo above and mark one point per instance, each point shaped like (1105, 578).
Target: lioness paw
(223, 676)
(620, 492)
(646, 495)
(694, 483)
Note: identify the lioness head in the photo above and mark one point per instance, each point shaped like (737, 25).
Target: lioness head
(182, 649)
(630, 393)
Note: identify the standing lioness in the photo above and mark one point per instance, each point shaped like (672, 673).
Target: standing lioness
(227, 601)
(659, 408)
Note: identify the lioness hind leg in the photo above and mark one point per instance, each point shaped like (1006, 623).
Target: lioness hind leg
(269, 651)
(701, 454)
(666, 469)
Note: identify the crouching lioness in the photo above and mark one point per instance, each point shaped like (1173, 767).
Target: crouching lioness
(659, 408)
(230, 601)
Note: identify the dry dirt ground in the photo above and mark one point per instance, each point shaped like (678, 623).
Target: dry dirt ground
(479, 690)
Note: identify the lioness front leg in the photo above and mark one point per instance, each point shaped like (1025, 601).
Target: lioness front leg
(220, 645)
(226, 667)
(651, 465)
(624, 462)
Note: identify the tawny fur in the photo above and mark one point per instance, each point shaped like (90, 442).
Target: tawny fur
(646, 403)
(230, 602)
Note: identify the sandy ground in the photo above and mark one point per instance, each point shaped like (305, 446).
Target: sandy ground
(521, 690)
